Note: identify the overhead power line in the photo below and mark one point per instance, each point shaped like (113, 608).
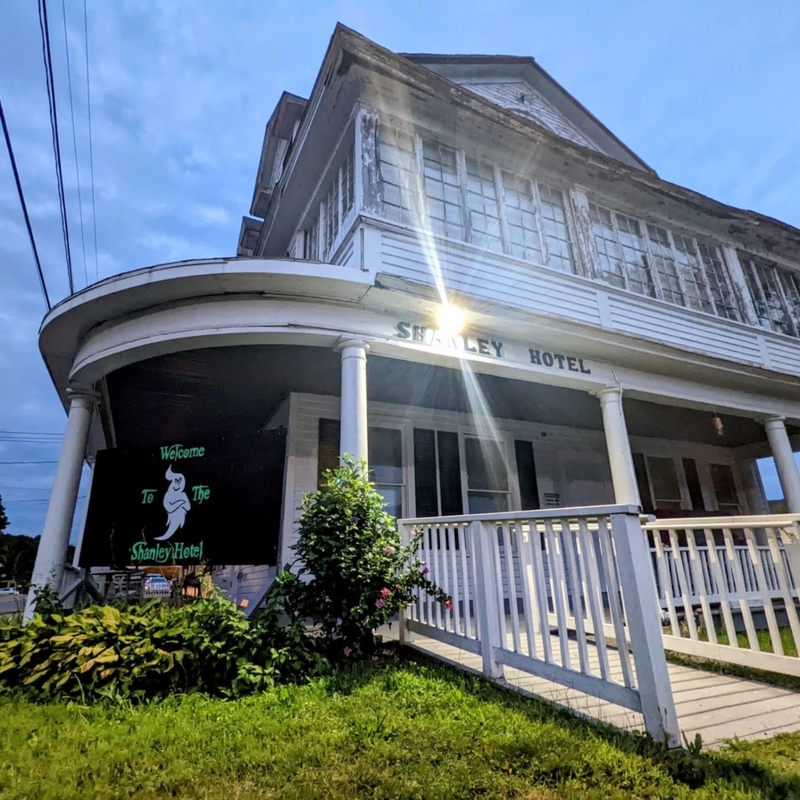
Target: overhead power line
(74, 142)
(91, 148)
(24, 205)
(27, 462)
(51, 97)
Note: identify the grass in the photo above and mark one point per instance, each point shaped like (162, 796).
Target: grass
(395, 730)
(764, 640)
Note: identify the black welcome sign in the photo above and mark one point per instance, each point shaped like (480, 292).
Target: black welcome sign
(185, 503)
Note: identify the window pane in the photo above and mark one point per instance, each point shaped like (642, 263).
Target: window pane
(724, 300)
(348, 183)
(605, 238)
(724, 487)
(386, 455)
(664, 480)
(486, 467)
(487, 502)
(697, 290)
(664, 264)
(642, 483)
(693, 482)
(328, 448)
(523, 230)
(484, 213)
(442, 190)
(634, 255)
(554, 219)
(398, 175)
(331, 205)
(393, 495)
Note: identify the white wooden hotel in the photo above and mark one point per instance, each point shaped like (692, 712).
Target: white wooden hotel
(452, 270)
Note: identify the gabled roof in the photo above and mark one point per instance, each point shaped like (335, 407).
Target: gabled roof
(519, 84)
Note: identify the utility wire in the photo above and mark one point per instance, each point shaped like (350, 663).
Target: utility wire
(91, 149)
(21, 194)
(74, 142)
(51, 97)
(27, 462)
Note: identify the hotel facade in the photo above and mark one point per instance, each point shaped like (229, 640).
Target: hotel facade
(451, 270)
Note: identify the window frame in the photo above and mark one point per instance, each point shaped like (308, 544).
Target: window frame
(751, 265)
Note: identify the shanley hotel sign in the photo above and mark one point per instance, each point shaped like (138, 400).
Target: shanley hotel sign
(492, 348)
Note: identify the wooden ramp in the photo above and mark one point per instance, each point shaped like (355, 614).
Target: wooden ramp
(718, 707)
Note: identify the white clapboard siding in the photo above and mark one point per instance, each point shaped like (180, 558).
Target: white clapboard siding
(492, 277)
(784, 354)
(649, 319)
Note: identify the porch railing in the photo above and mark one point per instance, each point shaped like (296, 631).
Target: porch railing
(566, 595)
(728, 588)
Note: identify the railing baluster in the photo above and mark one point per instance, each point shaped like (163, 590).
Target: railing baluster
(470, 627)
(784, 585)
(761, 578)
(743, 591)
(525, 533)
(512, 589)
(445, 544)
(540, 584)
(700, 589)
(588, 558)
(559, 594)
(455, 587)
(614, 599)
(665, 577)
(722, 590)
(688, 612)
(569, 538)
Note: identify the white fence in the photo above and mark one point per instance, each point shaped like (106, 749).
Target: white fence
(566, 595)
(727, 587)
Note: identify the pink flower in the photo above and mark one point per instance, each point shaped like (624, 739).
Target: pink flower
(448, 605)
(347, 651)
(338, 622)
(385, 592)
(425, 570)
(380, 603)
(388, 550)
(398, 587)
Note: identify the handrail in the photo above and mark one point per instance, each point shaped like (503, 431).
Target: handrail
(752, 521)
(537, 513)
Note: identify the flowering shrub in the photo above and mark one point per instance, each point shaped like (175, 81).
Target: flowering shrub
(359, 574)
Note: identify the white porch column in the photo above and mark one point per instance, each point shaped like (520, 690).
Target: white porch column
(52, 552)
(623, 475)
(354, 399)
(784, 462)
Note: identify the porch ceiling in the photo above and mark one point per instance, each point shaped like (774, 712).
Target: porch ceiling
(237, 389)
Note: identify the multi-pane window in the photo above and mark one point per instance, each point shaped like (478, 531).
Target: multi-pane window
(311, 241)
(484, 211)
(330, 209)
(658, 262)
(442, 190)
(337, 204)
(398, 175)
(776, 295)
(556, 231)
(473, 201)
(523, 228)
(487, 476)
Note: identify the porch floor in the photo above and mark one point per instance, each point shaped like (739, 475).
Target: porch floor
(718, 707)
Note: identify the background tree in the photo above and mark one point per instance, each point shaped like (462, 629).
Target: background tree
(17, 554)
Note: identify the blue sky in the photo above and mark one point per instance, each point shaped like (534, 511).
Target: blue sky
(705, 92)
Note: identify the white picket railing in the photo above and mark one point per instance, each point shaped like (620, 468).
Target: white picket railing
(721, 578)
(566, 595)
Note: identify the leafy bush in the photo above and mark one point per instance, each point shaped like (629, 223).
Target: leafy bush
(150, 651)
(357, 574)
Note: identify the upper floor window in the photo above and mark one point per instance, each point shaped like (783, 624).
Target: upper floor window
(427, 184)
(776, 295)
(330, 215)
(657, 262)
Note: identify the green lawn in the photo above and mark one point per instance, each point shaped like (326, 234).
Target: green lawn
(399, 730)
